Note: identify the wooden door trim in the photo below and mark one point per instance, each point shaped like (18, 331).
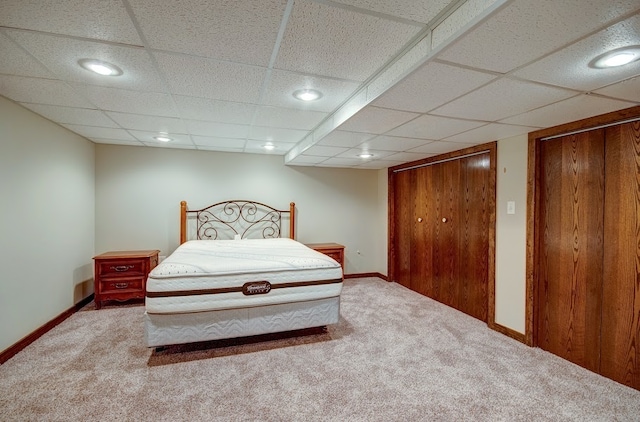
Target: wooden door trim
(533, 203)
(491, 148)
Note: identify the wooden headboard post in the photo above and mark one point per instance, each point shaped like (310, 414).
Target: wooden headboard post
(292, 219)
(183, 222)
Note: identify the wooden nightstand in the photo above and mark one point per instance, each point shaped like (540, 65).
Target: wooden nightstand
(334, 250)
(122, 275)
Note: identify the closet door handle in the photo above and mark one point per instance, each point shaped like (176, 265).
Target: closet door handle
(444, 219)
(419, 219)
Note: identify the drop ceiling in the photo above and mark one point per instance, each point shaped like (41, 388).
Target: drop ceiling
(402, 80)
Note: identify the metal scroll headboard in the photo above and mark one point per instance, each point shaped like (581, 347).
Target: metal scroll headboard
(229, 219)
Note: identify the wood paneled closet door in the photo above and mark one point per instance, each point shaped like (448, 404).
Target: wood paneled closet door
(588, 297)
(571, 247)
(620, 355)
(405, 225)
(474, 236)
(441, 232)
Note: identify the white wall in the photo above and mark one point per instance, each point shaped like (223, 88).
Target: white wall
(46, 221)
(511, 233)
(383, 220)
(139, 189)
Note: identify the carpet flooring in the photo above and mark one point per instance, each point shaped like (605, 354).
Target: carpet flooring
(394, 356)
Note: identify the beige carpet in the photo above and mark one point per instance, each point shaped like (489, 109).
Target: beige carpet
(394, 356)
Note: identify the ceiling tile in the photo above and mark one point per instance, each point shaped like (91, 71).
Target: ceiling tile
(393, 143)
(147, 138)
(307, 159)
(419, 11)
(194, 108)
(61, 55)
(433, 127)
(171, 145)
(220, 149)
(625, 90)
(15, 61)
(324, 151)
(127, 101)
(459, 19)
(528, 30)
(330, 41)
(288, 118)
(340, 162)
(439, 147)
(355, 152)
(100, 132)
(262, 133)
(208, 141)
(40, 91)
(341, 138)
(379, 164)
(576, 108)
(506, 97)
(490, 132)
(217, 130)
(377, 120)
(281, 86)
(134, 142)
(408, 156)
(431, 86)
(72, 115)
(96, 19)
(208, 78)
(154, 124)
(238, 31)
(281, 148)
(570, 67)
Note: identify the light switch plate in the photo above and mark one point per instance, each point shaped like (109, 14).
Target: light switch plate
(511, 207)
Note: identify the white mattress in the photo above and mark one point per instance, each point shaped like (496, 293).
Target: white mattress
(204, 275)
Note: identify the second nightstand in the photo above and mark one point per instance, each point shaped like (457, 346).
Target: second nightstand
(334, 250)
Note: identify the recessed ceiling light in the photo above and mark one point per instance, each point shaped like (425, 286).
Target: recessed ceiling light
(307, 94)
(365, 155)
(617, 57)
(269, 146)
(162, 138)
(100, 67)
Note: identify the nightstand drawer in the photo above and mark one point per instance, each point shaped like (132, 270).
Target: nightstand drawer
(122, 268)
(121, 285)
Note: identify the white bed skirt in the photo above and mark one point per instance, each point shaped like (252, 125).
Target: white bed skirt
(179, 328)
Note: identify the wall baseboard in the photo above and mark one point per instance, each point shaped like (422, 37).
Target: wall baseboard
(359, 275)
(13, 350)
(509, 332)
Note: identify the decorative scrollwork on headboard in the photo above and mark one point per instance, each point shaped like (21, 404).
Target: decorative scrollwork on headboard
(228, 219)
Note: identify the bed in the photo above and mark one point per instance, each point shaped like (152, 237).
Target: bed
(235, 274)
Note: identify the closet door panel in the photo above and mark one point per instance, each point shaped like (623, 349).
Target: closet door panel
(474, 236)
(621, 290)
(420, 264)
(403, 227)
(571, 247)
(447, 223)
(435, 235)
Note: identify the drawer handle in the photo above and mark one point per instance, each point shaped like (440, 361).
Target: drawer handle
(121, 268)
(121, 285)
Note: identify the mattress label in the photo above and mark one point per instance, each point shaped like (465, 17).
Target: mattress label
(256, 288)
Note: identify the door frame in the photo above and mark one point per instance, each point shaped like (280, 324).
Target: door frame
(490, 147)
(534, 166)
